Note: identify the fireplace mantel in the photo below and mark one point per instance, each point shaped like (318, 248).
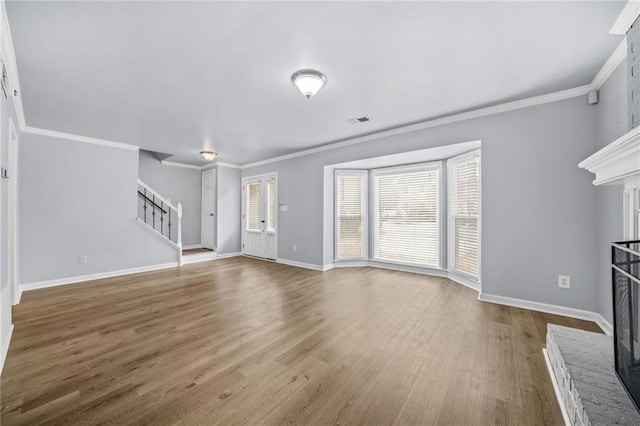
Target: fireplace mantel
(618, 162)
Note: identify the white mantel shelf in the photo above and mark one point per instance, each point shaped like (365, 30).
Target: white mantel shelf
(618, 162)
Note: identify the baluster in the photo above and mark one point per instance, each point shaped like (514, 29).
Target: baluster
(169, 224)
(145, 205)
(161, 217)
(153, 210)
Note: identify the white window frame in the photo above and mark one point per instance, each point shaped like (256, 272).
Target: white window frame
(408, 168)
(450, 216)
(273, 177)
(364, 174)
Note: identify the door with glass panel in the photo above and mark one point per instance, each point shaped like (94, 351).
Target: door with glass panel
(259, 216)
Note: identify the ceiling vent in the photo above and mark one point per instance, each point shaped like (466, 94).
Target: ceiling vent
(357, 120)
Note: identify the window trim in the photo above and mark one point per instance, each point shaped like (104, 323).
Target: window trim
(364, 205)
(450, 216)
(408, 168)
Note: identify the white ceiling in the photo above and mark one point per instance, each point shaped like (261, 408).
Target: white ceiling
(180, 77)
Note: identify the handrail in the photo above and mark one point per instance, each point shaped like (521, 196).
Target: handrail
(158, 196)
(627, 249)
(162, 207)
(626, 274)
(152, 202)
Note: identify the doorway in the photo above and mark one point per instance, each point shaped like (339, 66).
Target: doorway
(260, 216)
(208, 236)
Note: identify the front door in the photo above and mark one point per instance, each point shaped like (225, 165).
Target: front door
(209, 209)
(259, 216)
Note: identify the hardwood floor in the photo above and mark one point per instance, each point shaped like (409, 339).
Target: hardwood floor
(196, 251)
(242, 341)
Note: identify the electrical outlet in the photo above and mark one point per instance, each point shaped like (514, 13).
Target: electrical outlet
(82, 260)
(564, 281)
(294, 248)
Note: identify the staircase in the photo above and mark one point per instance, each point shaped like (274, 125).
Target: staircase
(160, 216)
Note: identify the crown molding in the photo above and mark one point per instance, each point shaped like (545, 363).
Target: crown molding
(626, 18)
(78, 138)
(610, 66)
(204, 167)
(229, 165)
(183, 165)
(482, 112)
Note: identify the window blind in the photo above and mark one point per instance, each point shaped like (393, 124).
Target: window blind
(254, 206)
(464, 213)
(271, 206)
(407, 226)
(351, 215)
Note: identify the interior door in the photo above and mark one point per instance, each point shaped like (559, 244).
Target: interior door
(209, 209)
(259, 217)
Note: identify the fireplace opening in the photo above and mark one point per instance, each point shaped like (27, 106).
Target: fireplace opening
(625, 260)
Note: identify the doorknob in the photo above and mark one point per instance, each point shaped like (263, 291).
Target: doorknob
(262, 221)
(210, 214)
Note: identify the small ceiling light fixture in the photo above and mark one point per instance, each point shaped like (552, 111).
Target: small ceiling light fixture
(208, 155)
(308, 81)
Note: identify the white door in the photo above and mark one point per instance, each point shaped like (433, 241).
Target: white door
(209, 209)
(259, 216)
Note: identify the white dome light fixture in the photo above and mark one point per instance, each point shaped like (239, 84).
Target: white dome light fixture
(308, 81)
(208, 155)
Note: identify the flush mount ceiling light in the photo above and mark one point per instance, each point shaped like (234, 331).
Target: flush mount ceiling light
(308, 81)
(208, 155)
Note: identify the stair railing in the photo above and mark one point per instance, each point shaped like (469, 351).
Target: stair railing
(160, 214)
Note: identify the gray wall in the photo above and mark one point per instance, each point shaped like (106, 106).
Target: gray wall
(80, 199)
(611, 123)
(539, 210)
(178, 184)
(229, 210)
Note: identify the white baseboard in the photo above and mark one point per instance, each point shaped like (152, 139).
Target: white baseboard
(484, 297)
(199, 257)
(604, 324)
(192, 247)
(6, 341)
(92, 277)
(358, 264)
(110, 274)
(300, 264)
(228, 255)
(549, 309)
(556, 388)
(18, 296)
(473, 285)
(407, 268)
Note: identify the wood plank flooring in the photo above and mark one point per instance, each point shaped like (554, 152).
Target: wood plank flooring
(242, 341)
(196, 251)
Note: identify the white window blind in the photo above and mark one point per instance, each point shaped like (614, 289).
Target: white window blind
(351, 213)
(254, 206)
(271, 206)
(464, 214)
(407, 225)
